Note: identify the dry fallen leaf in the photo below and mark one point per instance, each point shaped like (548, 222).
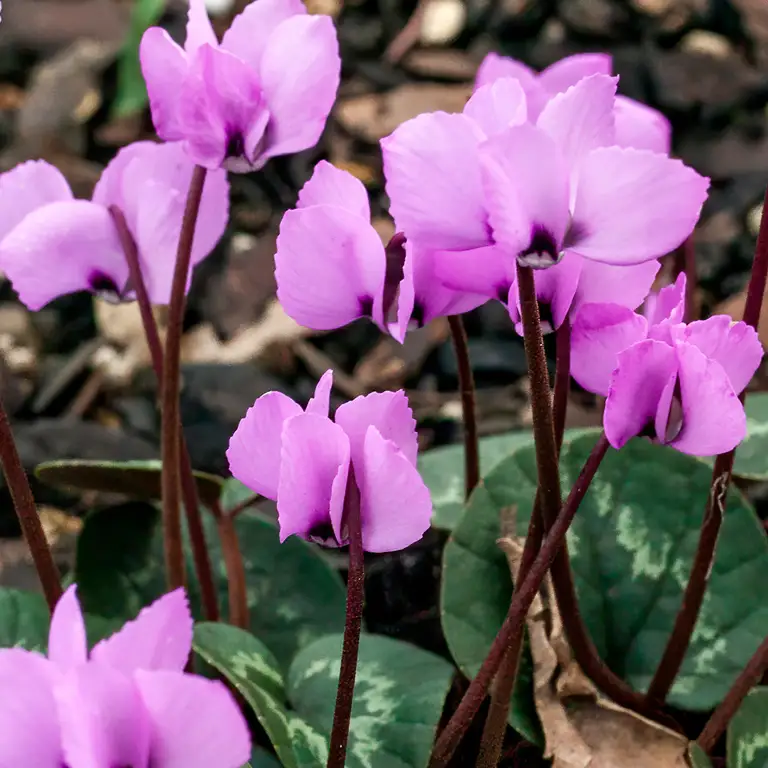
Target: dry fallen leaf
(581, 728)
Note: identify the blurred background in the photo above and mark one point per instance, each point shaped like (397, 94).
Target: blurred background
(75, 376)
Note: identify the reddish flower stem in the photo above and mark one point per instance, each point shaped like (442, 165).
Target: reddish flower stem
(729, 706)
(685, 261)
(693, 597)
(26, 512)
(469, 411)
(188, 485)
(233, 562)
(512, 628)
(504, 683)
(170, 424)
(238, 509)
(354, 621)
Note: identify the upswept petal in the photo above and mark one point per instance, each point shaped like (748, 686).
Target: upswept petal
(329, 266)
(67, 645)
(434, 182)
(254, 448)
(62, 248)
(600, 283)
(713, 417)
(300, 72)
(497, 106)
(103, 720)
(160, 637)
(26, 188)
(195, 722)
(389, 412)
(29, 723)
(330, 185)
(600, 333)
(395, 504)
(633, 205)
(667, 306)
(641, 126)
(580, 120)
(313, 479)
(480, 271)
(110, 189)
(735, 346)
(561, 75)
(320, 404)
(493, 67)
(221, 104)
(199, 29)
(643, 373)
(526, 186)
(165, 67)
(249, 33)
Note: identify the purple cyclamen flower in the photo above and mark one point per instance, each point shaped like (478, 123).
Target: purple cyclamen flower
(637, 125)
(680, 382)
(52, 244)
(265, 90)
(332, 268)
(128, 704)
(302, 459)
(487, 197)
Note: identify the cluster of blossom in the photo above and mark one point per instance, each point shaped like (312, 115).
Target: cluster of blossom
(127, 703)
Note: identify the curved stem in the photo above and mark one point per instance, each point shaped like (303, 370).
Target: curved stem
(518, 610)
(504, 683)
(354, 621)
(238, 509)
(685, 622)
(685, 261)
(26, 512)
(467, 387)
(233, 562)
(189, 494)
(170, 424)
(729, 706)
(583, 648)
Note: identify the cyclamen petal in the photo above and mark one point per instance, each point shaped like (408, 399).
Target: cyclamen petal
(330, 185)
(266, 90)
(498, 106)
(67, 645)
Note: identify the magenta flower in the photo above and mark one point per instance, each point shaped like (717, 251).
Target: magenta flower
(52, 244)
(266, 90)
(302, 459)
(637, 125)
(332, 268)
(532, 193)
(677, 382)
(129, 704)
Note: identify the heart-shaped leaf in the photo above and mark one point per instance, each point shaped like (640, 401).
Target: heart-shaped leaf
(137, 479)
(631, 546)
(747, 740)
(399, 695)
(697, 757)
(24, 620)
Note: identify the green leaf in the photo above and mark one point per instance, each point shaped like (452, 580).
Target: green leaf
(117, 568)
(233, 493)
(294, 596)
(631, 547)
(752, 455)
(131, 90)
(260, 758)
(747, 739)
(399, 695)
(253, 670)
(475, 594)
(442, 470)
(697, 757)
(138, 479)
(24, 620)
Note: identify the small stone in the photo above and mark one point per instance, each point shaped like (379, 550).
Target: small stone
(442, 22)
(708, 43)
(601, 18)
(754, 217)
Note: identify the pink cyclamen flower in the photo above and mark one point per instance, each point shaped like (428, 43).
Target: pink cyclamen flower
(52, 244)
(332, 268)
(127, 704)
(532, 193)
(265, 90)
(302, 459)
(679, 382)
(637, 125)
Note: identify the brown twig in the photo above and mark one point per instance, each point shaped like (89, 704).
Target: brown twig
(468, 408)
(170, 424)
